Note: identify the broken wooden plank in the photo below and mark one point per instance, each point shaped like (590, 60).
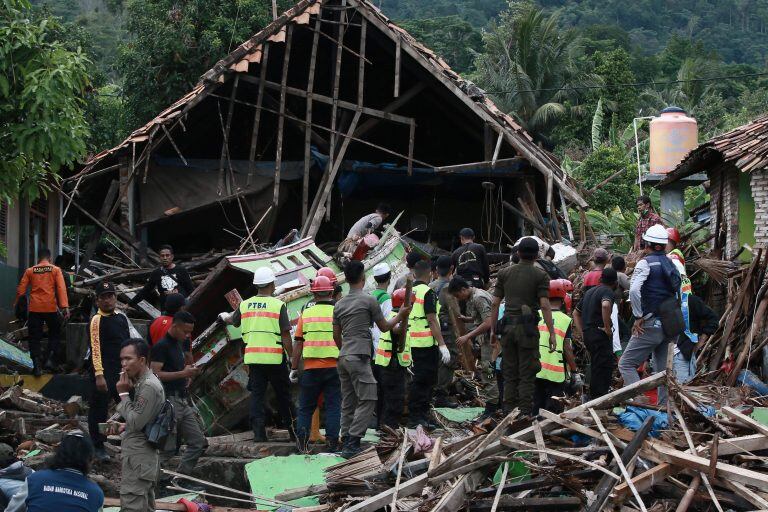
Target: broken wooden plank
(745, 420)
(281, 117)
(408, 488)
(514, 503)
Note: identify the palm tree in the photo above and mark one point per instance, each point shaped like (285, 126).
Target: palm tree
(528, 66)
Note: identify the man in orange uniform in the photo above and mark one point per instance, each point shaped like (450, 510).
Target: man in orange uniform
(48, 293)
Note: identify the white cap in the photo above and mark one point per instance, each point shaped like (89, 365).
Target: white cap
(381, 269)
(263, 276)
(656, 234)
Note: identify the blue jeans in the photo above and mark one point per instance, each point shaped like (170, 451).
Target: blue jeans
(684, 370)
(311, 384)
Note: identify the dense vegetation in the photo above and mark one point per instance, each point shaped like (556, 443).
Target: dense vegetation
(574, 73)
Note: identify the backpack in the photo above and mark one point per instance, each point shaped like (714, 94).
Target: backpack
(162, 427)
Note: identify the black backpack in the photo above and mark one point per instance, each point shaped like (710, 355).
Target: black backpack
(162, 427)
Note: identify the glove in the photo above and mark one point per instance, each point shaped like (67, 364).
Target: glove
(226, 318)
(445, 355)
(618, 354)
(294, 376)
(577, 380)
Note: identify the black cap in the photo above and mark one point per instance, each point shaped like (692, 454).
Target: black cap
(608, 276)
(528, 246)
(467, 233)
(105, 287)
(443, 262)
(412, 258)
(174, 302)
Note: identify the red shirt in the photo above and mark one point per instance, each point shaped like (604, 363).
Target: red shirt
(592, 278)
(644, 223)
(159, 327)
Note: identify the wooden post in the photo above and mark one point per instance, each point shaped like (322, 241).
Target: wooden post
(308, 117)
(281, 117)
(225, 143)
(361, 65)
(257, 114)
(411, 137)
(109, 200)
(398, 58)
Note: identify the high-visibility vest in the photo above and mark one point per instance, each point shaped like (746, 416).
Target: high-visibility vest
(552, 366)
(419, 333)
(685, 285)
(260, 328)
(384, 350)
(317, 325)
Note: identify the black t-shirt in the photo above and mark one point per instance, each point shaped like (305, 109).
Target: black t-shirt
(165, 280)
(470, 260)
(591, 306)
(171, 353)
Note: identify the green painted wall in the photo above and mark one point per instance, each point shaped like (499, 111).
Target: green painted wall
(746, 215)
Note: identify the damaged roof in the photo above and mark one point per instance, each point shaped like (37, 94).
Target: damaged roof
(250, 51)
(745, 147)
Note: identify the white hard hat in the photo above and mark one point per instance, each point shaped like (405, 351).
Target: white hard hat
(656, 234)
(263, 276)
(381, 269)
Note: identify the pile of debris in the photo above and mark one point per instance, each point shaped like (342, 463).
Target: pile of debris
(605, 452)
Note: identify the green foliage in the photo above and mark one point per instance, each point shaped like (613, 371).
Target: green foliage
(618, 224)
(614, 70)
(475, 12)
(42, 122)
(598, 166)
(173, 43)
(451, 37)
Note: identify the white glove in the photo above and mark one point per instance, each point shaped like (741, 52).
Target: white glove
(226, 318)
(445, 355)
(294, 376)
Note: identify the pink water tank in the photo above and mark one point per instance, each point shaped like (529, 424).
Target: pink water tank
(673, 136)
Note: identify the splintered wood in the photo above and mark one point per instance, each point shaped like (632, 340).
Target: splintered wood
(581, 459)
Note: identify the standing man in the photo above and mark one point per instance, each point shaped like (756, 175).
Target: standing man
(370, 222)
(166, 279)
(654, 281)
(647, 219)
(448, 310)
(174, 303)
(393, 357)
(525, 289)
(169, 363)
(315, 344)
(141, 463)
(427, 348)
(382, 274)
(594, 318)
(353, 317)
(48, 295)
(470, 260)
(479, 304)
(108, 330)
(266, 332)
(411, 259)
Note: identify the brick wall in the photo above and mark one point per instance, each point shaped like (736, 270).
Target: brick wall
(759, 185)
(726, 177)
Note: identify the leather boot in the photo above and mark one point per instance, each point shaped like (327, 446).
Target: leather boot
(259, 432)
(37, 369)
(332, 445)
(351, 447)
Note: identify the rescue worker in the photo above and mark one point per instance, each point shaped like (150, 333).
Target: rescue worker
(108, 330)
(676, 255)
(266, 332)
(411, 259)
(393, 357)
(64, 485)
(369, 223)
(550, 381)
(479, 303)
(655, 280)
(315, 344)
(47, 296)
(174, 303)
(525, 289)
(591, 278)
(170, 362)
(140, 460)
(382, 274)
(427, 348)
(353, 317)
(594, 318)
(470, 260)
(449, 309)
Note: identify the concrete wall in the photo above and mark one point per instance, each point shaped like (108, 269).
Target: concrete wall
(759, 186)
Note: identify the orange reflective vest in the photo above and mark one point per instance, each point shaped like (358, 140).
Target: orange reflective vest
(260, 327)
(384, 350)
(317, 324)
(552, 366)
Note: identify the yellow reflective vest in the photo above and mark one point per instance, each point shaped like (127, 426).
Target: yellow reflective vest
(260, 328)
(419, 333)
(552, 365)
(317, 327)
(384, 350)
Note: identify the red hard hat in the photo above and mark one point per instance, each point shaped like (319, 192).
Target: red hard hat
(673, 234)
(327, 272)
(557, 289)
(568, 285)
(398, 298)
(321, 284)
(568, 304)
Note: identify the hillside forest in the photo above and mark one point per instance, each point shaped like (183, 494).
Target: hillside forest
(574, 73)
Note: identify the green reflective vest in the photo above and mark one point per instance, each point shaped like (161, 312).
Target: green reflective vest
(260, 328)
(419, 333)
(384, 350)
(552, 366)
(317, 326)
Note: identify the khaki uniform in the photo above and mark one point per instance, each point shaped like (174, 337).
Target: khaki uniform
(521, 286)
(447, 302)
(479, 308)
(140, 468)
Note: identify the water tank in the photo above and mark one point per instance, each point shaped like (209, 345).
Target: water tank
(673, 136)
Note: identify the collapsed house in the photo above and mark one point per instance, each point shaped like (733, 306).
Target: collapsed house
(328, 110)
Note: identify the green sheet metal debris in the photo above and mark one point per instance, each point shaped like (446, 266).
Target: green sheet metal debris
(272, 475)
(459, 415)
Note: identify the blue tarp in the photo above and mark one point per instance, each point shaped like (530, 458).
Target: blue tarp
(633, 418)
